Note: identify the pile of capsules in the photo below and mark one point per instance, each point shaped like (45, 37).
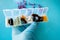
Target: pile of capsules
(15, 17)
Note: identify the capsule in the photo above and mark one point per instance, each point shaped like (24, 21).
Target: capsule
(10, 21)
(37, 18)
(23, 19)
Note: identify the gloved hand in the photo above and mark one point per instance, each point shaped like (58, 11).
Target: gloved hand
(24, 32)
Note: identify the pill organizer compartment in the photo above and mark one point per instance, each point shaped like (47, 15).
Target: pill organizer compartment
(10, 17)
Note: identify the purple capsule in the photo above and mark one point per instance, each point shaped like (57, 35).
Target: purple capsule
(39, 6)
(22, 6)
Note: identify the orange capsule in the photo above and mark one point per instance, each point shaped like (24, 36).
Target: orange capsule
(45, 18)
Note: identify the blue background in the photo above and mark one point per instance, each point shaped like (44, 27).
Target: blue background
(46, 31)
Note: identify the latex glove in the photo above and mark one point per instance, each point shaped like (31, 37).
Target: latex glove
(23, 32)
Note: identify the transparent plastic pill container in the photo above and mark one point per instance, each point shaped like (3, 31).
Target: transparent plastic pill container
(15, 17)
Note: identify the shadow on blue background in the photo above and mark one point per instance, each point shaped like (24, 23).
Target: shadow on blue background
(46, 31)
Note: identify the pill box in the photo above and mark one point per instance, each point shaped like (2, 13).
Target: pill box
(15, 17)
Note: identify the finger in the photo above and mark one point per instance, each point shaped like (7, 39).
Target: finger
(19, 29)
(32, 27)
